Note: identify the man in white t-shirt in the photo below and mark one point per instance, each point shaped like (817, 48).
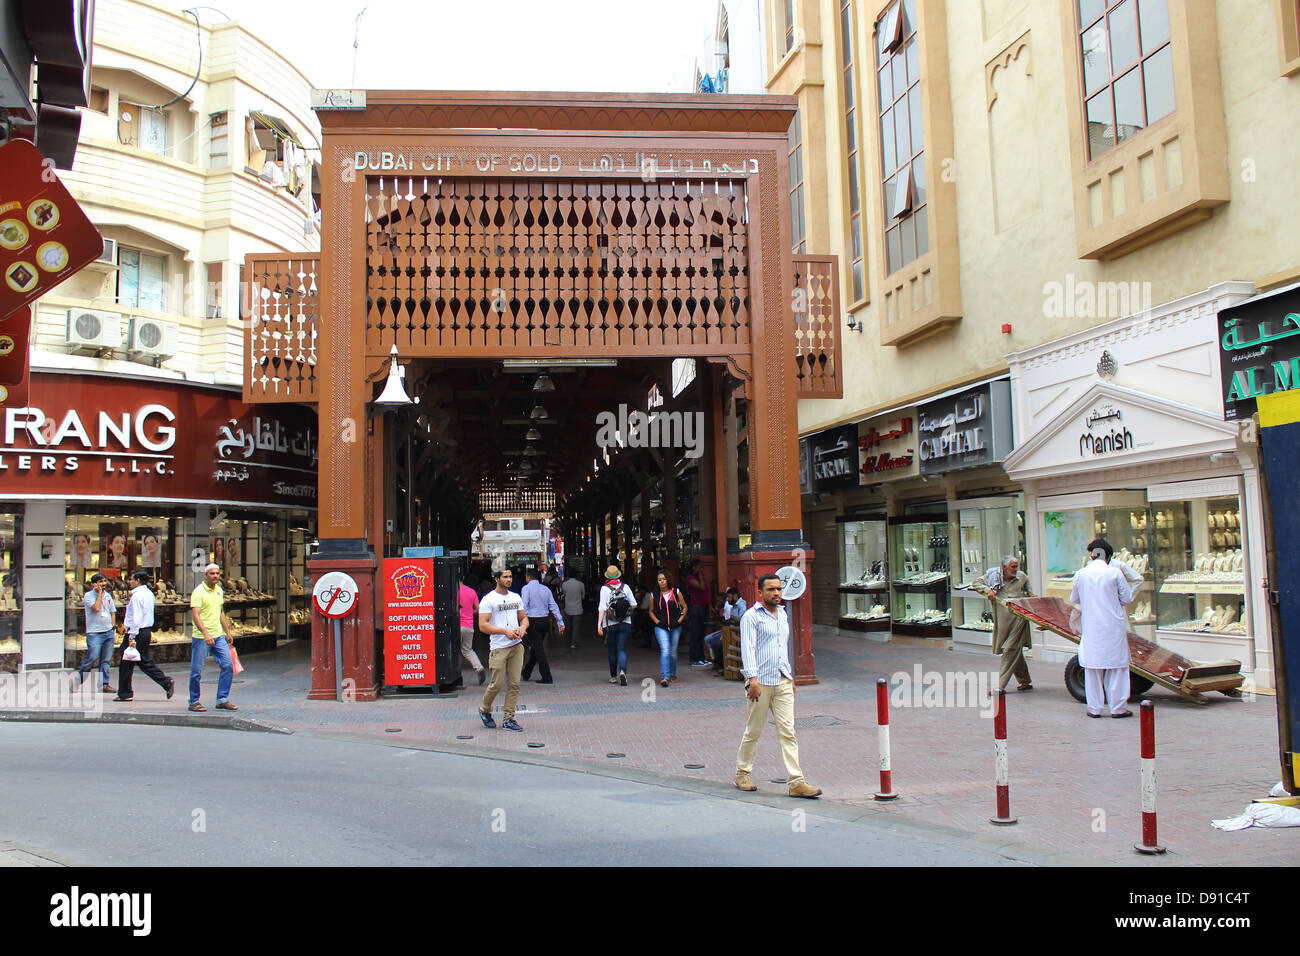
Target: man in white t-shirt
(501, 616)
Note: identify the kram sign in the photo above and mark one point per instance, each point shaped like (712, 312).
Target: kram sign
(409, 658)
(833, 459)
(82, 435)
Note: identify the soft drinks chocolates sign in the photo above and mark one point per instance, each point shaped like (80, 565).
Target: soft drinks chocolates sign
(408, 623)
(44, 235)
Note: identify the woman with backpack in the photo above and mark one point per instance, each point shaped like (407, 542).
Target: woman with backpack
(667, 612)
(614, 622)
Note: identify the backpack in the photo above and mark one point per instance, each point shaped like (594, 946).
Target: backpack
(620, 606)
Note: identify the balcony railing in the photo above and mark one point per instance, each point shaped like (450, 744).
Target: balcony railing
(280, 330)
(817, 327)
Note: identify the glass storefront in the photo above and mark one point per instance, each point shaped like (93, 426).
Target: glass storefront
(983, 532)
(11, 591)
(919, 575)
(864, 573)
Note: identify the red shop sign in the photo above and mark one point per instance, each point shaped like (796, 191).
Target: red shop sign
(88, 435)
(15, 332)
(44, 235)
(409, 658)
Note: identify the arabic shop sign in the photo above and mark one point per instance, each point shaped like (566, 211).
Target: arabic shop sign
(645, 164)
(85, 435)
(1259, 350)
(888, 447)
(833, 455)
(1105, 432)
(966, 430)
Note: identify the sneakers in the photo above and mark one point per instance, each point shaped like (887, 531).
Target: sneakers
(613, 680)
(512, 724)
(699, 663)
(488, 722)
(622, 678)
(745, 782)
(802, 788)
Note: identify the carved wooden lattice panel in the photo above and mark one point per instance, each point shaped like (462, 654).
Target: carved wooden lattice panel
(817, 327)
(527, 265)
(502, 496)
(280, 334)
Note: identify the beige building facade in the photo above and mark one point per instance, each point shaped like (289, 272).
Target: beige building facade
(1001, 180)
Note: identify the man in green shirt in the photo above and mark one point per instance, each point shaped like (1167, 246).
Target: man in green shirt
(206, 607)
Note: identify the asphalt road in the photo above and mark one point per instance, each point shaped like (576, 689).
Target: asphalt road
(116, 795)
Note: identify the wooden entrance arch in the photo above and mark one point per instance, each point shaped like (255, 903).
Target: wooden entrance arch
(546, 225)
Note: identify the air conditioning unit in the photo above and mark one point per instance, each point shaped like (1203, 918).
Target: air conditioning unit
(151, 339)
(110, 252)
(89, 329)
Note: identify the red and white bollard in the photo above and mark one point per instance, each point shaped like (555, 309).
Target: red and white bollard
(1149, 843)
(1004, 817)
(882, 720)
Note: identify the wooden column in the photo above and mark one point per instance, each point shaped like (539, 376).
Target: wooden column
(722, 454)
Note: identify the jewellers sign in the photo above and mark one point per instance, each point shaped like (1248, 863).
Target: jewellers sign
(888, 447)
(1104, 432)
(966, 430)
(1259, 350)
(833, 457)
(83, 435)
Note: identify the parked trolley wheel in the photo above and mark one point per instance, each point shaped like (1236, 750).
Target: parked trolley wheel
(1138, 685)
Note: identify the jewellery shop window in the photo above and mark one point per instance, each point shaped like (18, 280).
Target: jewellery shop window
(1124, 519)
(251, 572)
(11, 592)
(1200, 567)
(986, 531)
(864, 574)
(918, 551)
(300, 535)
(116, 545)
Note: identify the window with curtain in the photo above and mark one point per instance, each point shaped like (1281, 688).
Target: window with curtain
(789, 25)
(903, 154)
(1128, 71)
(795, 142)
(140, 279)
(854, 187)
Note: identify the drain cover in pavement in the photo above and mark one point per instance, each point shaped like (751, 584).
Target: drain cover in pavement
(392, 730)
(615, 756)
(464, 736)
(693, 766)
(818, 720)
(535, 745)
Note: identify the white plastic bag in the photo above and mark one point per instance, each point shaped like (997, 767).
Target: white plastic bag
(1261, 815)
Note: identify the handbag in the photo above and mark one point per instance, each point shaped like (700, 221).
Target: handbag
(234, 660)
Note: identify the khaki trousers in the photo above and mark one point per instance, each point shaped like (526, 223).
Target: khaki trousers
(505, 664)
(1013, 661)
(778, 700)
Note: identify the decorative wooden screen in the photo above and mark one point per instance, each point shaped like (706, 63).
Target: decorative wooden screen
(281, 317)
(817, 327)
(496, 497)
(462, 265)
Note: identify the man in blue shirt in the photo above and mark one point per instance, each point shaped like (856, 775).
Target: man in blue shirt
(540, 606)
(99, 630)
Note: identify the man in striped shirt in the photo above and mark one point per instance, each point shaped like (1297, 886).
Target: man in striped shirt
(769, 686)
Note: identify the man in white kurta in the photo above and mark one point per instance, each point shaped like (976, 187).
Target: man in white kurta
(1101, 591)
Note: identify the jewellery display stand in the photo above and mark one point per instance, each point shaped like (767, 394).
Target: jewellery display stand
(864, 577)
(920, 583)
(1201, 576)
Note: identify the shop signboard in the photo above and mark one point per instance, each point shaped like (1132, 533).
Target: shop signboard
(1259, 350)
(409, 659)
(15, 331)
(888, 447)
(84, 435)
(965, 430)
(44, 236)
(833, 459)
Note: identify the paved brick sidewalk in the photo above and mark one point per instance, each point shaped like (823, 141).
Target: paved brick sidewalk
(1074, 782)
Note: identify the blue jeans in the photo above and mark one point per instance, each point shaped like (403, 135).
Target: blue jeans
(199, 651)
(99, 647)
(616, 636)
(714, 643)
(668, 638)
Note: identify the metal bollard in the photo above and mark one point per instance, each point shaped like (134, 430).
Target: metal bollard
(1149, 843)
(882, 721)
(1004, 817)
